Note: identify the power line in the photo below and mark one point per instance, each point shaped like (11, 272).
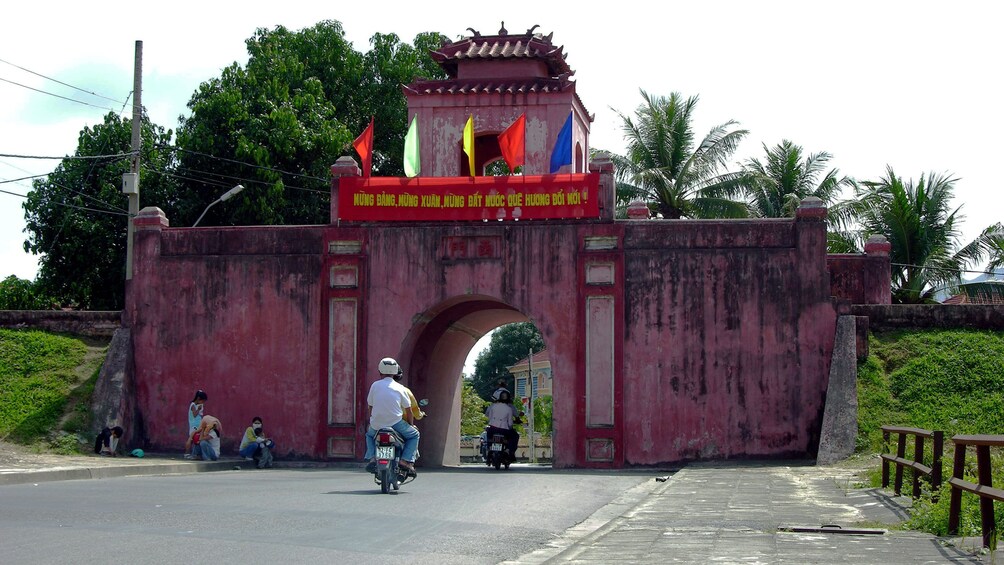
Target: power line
(946, 269)
(56, 202)
(59, 81)
(59, 96)
(110, 207)
(71, 157)
(176, 148)
(241, 180)
(24, 178)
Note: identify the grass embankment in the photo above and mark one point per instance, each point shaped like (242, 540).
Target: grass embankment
(46, 382)
(949, 380)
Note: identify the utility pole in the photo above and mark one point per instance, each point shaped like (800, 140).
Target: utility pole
(130, 180)
(529, 418)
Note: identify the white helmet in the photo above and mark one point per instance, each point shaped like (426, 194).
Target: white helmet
(388, 366)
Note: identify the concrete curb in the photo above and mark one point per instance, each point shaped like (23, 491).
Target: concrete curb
(110, 470)
(78, 473)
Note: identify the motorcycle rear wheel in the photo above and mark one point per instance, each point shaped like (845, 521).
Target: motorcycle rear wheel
(385, 481)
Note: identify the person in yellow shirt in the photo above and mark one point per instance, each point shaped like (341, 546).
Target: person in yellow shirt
(416, 410)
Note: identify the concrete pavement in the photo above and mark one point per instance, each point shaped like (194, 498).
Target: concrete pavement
(722, 512)
(775, 512)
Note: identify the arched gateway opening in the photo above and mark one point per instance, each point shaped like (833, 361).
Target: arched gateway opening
(433, 357)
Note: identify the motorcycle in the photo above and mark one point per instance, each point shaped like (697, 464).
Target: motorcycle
(497, 451)
(389, 446)
(389, 474)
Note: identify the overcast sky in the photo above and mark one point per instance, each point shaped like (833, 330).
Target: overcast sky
(915, 85)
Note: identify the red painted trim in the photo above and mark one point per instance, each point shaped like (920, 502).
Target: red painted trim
(357, 260)
(616, 291)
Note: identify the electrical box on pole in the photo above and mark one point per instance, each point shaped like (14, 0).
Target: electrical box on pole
(130, 183)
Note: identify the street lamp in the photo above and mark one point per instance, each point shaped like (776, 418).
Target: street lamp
(226, 196)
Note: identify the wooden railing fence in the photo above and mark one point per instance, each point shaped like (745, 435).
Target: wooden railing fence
(985, 490)
(917, 463)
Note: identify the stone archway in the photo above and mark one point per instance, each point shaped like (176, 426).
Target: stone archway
(434, 356)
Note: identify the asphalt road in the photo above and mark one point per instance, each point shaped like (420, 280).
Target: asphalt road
(467, 515)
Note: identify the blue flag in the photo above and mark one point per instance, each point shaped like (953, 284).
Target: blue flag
(562, 154)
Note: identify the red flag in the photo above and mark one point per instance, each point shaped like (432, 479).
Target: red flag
(364, 147)
(512, 142)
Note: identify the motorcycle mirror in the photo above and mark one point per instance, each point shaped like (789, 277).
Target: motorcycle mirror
(423, 402)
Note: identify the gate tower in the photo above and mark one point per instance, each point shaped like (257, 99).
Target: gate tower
(495, 78)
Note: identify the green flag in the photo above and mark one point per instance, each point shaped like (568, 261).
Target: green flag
(412, 163)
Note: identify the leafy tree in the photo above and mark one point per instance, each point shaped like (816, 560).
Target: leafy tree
(508, 345)
(778, 184)
(21, 294)
(920, 224)
(278, 123)
(472, 411)
(543, 414)
(664, 167)
(77, 216)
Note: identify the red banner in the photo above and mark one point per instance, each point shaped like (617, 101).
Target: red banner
(472, 199)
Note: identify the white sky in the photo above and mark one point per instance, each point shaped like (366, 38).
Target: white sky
(912, 84)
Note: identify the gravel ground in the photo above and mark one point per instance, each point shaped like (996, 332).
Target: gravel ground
(13, 456)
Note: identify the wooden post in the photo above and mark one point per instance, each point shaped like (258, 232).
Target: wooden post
(901, 453)
(885, 462)
(937, 449)
(955, 502)
(986, 503)
(918, 456)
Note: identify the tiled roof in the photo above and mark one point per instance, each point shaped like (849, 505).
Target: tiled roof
(528, 46)
(541, 356)
(489, 86)
(984, 292)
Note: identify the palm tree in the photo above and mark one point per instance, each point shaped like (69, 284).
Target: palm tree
(921, 226)
(665, 168)
(777, 185)
(996, 235)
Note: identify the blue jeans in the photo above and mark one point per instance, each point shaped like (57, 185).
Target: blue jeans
(205, 450)
(405, 430)
(252, 448)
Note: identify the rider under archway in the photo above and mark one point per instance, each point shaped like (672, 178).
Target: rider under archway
(433, 357)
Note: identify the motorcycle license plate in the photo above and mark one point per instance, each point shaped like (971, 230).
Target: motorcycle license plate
(385, 452)
(496, 447)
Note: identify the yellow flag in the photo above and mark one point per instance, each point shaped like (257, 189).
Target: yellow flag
(469, 142)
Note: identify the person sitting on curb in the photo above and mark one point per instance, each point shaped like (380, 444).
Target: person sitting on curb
(206, 439)
(255, 446)
(107, 442)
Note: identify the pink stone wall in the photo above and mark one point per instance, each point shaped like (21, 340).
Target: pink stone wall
(234, 312)
(728, 338)
(669, 340)
(860, 279)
